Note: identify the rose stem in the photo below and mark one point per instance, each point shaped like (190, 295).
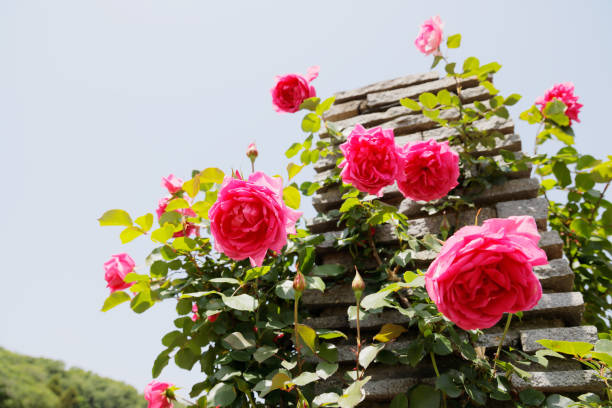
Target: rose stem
(435, 366)
(501, 341)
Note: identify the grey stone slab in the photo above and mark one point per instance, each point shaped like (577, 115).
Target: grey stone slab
(386, 389)
(322, 223)
(524, 188)
(555, 276)
(338, 295)
(568, 306)
(395, 83)
(378, 100)
(587, 334)
(326, 163)
(551, 242)
(560, 381)
(485, 125)
(535, 207)
(342, 111)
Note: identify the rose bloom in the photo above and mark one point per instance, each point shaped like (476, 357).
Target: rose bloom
(565, 93)
(429, 170)
(115, 270)
(172, 183)
(483, 272)
(155, 393)
(430, 36)
(250, 217)
(290, 90)
(371, 159)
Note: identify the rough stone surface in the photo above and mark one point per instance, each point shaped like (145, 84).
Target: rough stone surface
(551, 242)
(587, 334)
(380, 99)
(560, 381)
(536, 207)
(566, 305)
(342, 111)
(556, 276)
(401, 82)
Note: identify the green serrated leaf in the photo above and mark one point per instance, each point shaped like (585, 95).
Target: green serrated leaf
(115, 218)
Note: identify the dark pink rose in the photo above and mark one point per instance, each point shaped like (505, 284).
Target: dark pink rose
(172, 183)
(115, 270)
(565, 93)
(371, 159)
(430, 36)
(290, 90)
(429, 170)
(250, 218)
(158, 395)
(483, 272)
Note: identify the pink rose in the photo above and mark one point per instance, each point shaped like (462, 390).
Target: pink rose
(430, 170)
(194, 308)
(116, 268)
(483, 272)
(371, 159)
(172, 183)
(250, 217)
(194, 317)
(565, 93)
(430, 36)
(189, 228)
(290, 90)
(158, 395)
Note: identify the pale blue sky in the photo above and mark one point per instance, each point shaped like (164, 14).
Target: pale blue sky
(100, 99)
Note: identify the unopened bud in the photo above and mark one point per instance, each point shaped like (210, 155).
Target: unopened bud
(358, 285)
(252, 152)
(299, 283)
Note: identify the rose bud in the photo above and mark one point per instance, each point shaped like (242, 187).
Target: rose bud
(252, 152)
(299, 283)
(278, 337)
(213, 318)
(358, 285)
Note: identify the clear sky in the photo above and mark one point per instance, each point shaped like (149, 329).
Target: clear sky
(101, 98)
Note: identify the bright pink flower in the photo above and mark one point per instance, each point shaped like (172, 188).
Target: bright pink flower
(250, 217)
(156, 393)
(429, 170)
(290, 90)
(430, 36)
(565, 93)
(194, 308)
(371, 159)
(213, 318)
(116, 268)
(194, 317)
(172, 183)
(483, 272)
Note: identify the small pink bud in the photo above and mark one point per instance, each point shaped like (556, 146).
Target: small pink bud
(213, 318)
(358, 285)
(299, 283)
(278, 337)
(255, 329)
(194, 308)
(194, 317)
(252, 152)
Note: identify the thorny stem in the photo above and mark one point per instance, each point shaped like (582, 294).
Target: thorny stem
(358, 341)
(501, 342)
(252, 166)
(435, 367)
(251, 400)
(599, 201)
(476, 218)
(295, 329)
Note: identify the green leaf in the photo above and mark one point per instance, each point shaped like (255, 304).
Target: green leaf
(315, 283)
(325, 370)
(291, 197)
(603, 346)
(311, 123)
(555, 111)
(293, 170)
(445, 383)
(470, 64)
(325, 105)
(201, 208)
(349, 203)
(115, 217)
(399, 401)
(442, 345)
(192, 187)
(241, 302)
(310, 103)
(602, 173)
(145, 222)
(410, 104)
(159, 269)
(558, 401)
(293, 150)
(238, 341)
(256, 272)
(231, 281)
(375, 300)
(212, 175)
(512, 99)
(284, 290)
(142, 301)
(502, 112)
(177, 204)
(263, 353)
(327, 334)
(185, 358)
(424, 396)
(562, 173)
(184, 244)
(163, 234)
(115, 298)
(532, 115)
(444, 97)
(368, 354)
(489, 87)
(221, 394)
(352, 395)
(388, 332)
(160, 362)
(171, 217)
(586, 162)
(576, 348)
(454, 41)
(328, 270)
(581, 227)
(308, 336)
(129, 234)
(584, 181)
(436, 61)
(450, 68)
(428, 100)
(305, 378)
(532, 397)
